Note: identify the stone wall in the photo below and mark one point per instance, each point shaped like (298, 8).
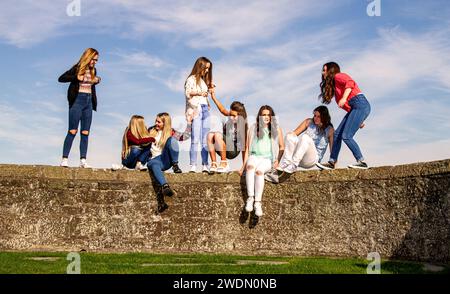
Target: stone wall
(401, 212)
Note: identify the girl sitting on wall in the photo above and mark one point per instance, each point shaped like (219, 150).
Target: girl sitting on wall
(308, 149)
(165, 150)
(264, 149)
(136, 144)
(230, 141)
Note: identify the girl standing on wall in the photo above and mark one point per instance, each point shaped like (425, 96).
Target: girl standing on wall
(197, 107)
(82, 100)
(231, 140)
(348, 97)
(264, 149)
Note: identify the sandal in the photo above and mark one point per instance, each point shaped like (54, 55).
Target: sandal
(223, 167)
(213, 167)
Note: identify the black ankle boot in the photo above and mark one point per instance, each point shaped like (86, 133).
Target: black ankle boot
(176, 168)
(162, 206)
(166, 190)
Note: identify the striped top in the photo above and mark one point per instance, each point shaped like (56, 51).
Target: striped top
(85, 85)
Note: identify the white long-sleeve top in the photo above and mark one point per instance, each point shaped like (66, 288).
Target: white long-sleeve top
(193, 103)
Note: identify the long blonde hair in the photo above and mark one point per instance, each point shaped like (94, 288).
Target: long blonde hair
(138, 129)
(166, 131)
(199, 67)
(85, 59)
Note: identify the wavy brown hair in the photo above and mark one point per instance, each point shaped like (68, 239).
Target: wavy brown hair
(325, 117)
(259, 121)
(242, 118)
(199, 67)
(327, 85)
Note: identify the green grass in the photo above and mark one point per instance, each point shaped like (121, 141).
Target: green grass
(132, 263)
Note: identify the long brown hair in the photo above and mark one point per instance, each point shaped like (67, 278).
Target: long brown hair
(242, 119)
(166, 131)
(325, 117)
(199, 67)
(138, 129)
(85, 59)
(259, 122)
(327, 85)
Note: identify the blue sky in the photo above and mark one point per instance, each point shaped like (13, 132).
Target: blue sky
(264, 52)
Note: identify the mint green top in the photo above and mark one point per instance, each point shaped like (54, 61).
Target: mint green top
(262, 147)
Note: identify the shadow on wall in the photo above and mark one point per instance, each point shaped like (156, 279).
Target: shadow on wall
(250, 216)
(428, 237)
(161, 203)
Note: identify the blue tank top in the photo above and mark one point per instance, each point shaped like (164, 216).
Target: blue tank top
(319, 137)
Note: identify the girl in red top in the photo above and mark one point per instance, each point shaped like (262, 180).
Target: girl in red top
(136, 144)
(348, 97)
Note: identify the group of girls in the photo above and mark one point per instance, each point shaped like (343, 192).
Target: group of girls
(262, 145)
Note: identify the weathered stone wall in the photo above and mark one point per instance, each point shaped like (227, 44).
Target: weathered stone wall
(400, 212)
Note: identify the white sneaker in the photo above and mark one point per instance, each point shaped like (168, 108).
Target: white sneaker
(258, 208)
(193, 169)
(249, 205)
(64, 162)
(138, 166)
(290, 169)
(283, 165)
(116, 167)
(83, 164)
(205, 169)
(143, 167)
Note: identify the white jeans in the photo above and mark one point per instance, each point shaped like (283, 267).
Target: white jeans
(254, 176)
(300, 151)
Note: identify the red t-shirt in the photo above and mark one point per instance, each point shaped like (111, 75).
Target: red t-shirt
(343, 81)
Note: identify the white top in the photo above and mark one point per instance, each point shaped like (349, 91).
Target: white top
(319, 137)
(155, 149)
(191, 86)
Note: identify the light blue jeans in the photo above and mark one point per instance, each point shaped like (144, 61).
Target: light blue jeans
(349, 126)
(200, 130)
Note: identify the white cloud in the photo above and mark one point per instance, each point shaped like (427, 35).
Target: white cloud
(396, 60)
(29, 133)
(415, 152)
(219, 24)
(306, 46)
(287, 72)
(263, 63)
(25, 23)
(137, 60)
